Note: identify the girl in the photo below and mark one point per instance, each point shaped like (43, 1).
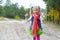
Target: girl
(35, 28)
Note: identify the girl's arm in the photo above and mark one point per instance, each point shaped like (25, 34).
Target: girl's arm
(29, 19)
(41, 23)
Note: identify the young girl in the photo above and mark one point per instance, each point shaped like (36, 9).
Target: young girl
(35, 28)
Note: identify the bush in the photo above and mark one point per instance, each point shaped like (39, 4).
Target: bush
(1, 17)
(17, 17)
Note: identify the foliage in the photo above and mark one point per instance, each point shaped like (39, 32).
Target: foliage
(17, 17)
(55, 12)
(11, 10)
(22, 12)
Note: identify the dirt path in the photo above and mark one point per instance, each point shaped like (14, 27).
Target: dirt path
(17, 30)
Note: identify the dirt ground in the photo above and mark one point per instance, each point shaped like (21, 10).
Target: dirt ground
(17, 30)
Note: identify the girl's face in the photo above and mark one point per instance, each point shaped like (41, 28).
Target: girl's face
(35, 10)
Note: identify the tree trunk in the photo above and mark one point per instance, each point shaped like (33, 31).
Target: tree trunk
(53, 19)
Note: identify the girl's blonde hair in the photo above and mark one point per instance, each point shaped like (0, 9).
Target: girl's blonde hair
(31, 10)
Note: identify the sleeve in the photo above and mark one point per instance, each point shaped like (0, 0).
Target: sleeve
(29, 19)
(41, 23)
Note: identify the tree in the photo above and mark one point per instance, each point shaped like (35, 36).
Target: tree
(22, 12)
(55, 4)
(8, 3)
(1, 1)
(27, 10)
(11, 10)
(1, 10)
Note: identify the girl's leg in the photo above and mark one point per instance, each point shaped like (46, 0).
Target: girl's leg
(38, 37)
(34, 37)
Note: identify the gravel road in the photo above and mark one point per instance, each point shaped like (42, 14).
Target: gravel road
(17, 30)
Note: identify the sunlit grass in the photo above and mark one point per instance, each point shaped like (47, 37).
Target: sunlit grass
(1, 17)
